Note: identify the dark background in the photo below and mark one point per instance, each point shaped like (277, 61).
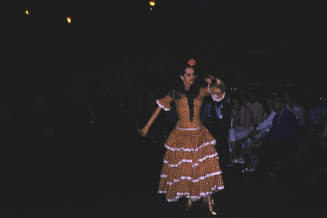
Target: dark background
(51, 72)
(248, 41)
(123, 46)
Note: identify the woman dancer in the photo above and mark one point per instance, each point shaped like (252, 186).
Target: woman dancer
(190, 167)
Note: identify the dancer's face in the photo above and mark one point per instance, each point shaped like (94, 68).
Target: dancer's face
(188, 77)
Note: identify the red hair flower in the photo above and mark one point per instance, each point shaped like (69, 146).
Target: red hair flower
(191, 62)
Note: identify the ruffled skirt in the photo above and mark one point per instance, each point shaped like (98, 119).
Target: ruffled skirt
(190, 166)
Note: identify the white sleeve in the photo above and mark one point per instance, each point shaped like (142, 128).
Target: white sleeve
(267, 123)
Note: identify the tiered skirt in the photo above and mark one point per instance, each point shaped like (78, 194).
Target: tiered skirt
(190, 166)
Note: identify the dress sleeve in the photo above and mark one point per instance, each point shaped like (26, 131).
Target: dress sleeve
(205, 91)
(164, 102)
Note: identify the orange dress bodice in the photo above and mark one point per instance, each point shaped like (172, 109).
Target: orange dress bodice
(183, 109)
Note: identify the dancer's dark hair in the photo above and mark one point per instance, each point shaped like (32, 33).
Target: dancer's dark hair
(179, 90)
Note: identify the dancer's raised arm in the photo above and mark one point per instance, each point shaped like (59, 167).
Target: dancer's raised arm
(216, 88)
(209, 79)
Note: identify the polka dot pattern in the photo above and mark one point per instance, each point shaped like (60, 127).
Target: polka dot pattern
(190, 167)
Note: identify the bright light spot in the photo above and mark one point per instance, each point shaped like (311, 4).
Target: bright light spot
(27, 12)
(152, 3)
(69, 19)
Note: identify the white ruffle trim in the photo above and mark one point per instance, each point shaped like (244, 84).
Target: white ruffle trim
(191, 149)
(190, 178)
(207, 156)
(193, 197)
(189, 129)
(163, 107)
(190, 161)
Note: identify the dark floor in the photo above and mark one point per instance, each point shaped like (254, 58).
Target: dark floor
(103, 173)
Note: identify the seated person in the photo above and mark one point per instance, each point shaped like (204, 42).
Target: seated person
(281, 141)
(294, 107)
(255, 135)
(255, 107)
(242, 125)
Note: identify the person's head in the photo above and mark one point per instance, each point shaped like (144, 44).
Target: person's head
(278, 103)
(186, 81)
(188, 76)
(237, 102)
(219, 88)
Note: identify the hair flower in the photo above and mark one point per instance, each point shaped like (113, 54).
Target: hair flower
(191, 62)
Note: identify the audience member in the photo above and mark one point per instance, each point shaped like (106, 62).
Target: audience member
(255, 135)
(256, 108)
(242, 125)
(282, 139)
(295, 108)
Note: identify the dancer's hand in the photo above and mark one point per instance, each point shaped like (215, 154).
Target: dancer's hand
(209, 79)
(143, 132)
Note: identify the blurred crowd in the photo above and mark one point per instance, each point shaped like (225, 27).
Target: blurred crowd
(274, 134)
(259, 128)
